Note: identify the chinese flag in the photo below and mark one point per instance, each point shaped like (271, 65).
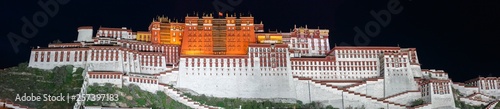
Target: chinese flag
(221, 14)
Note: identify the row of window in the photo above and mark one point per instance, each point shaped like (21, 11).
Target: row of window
(113, 34)
(395, 65)
(104, 55)
(237, 69)
(148, 68)
(105, 76)
(236, 74)
(363, 51)
(264, 62)
(143, 81)
(255, 49)
(151, 60)
(399, 59)
(438, 88)
(334, 73)
(489, 84)
(341, 77)
(335, 68)
(340, 63)
(357, 55)
(162, 49)
(60, 56)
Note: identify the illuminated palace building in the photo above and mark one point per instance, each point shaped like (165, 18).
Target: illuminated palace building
(231, 56)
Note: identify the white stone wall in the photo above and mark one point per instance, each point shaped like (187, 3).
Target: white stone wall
(397, 73)
(168, 78)
(324, 69)
(466, 91)
(117, 82)
(47, 61)
(442, 100)
(416, 70)
(473, 102)
(406, 98)
(492, 92)
(116, 33)
(340, 84)
(334, 97)
(85, 35)
(371, 88)
(144, 85)
(428, 106)
(307, 91)
(235, 83)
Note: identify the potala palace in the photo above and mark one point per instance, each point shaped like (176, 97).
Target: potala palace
(232, 56)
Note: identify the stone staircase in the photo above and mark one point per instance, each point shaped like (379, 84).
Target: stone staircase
(325, 86)
(177, 96)
(492, 105)
(399, 94)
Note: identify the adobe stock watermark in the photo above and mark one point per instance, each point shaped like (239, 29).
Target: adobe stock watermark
(223, 7)
(39, 19)
(374, 27)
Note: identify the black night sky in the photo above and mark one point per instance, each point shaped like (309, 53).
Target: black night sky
(457, 36)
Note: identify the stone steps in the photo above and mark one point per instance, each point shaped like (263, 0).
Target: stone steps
(177, 96)
(492, 105)
(344, 90)
(398, 94)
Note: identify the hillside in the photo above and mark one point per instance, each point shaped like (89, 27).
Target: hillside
(133, 96)
(22, 79)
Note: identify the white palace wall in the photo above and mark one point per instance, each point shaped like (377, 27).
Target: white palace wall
(115, 78)
(307, 91)
(441, 94)
(397, 74)
(105, 58)
(372, 88)
(49, 58)
(232, 82)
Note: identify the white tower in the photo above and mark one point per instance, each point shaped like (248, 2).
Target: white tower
(85, 33)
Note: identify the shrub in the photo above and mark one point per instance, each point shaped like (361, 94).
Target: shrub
(417, 102)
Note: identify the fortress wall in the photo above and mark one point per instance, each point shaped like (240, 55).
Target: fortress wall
(114, 78)
(147, 84)
(50, 58)
(233, 84)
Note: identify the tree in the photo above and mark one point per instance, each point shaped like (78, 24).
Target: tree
(417, 102)
(329, 107)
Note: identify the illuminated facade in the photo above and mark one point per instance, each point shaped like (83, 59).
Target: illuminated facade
(231, 56)
(218, 36)
(165, 31)
(143, 36)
